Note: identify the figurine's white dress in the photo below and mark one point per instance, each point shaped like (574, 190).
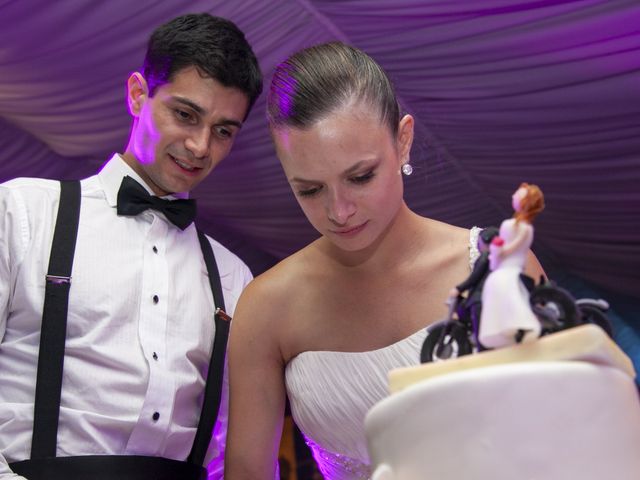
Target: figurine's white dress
(505, 299)
(331, 392)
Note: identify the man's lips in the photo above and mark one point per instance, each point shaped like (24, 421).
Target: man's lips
(184, 165)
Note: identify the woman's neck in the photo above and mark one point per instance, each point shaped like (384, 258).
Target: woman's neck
(400, 243)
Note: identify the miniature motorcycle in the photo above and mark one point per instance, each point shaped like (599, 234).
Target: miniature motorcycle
(452, 337)
(555, 308)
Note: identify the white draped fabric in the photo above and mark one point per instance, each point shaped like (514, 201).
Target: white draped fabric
(503, 91)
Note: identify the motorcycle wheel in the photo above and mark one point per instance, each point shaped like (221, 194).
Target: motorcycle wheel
(445, 341)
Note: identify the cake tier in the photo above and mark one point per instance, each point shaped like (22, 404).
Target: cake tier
(584, 343)
(551, 420)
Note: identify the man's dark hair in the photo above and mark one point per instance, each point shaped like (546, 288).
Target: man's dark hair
(214, 45)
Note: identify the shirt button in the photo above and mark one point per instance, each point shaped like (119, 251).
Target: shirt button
(156, 299)
(155, 416)
(155, 249)
(155, 356)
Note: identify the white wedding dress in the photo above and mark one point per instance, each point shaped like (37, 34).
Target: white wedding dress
(331, 392)
(505, 299)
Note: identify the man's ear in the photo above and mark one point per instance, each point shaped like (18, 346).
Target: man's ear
(137, 93)
(405, 138)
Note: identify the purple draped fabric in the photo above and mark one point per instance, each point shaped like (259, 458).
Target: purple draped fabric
(502, 91)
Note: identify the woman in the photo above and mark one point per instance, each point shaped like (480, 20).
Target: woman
(507, 316)
(325, 325)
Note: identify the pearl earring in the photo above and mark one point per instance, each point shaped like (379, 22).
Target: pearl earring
(407, 169)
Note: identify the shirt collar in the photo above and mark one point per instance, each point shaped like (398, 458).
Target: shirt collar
(111, 177)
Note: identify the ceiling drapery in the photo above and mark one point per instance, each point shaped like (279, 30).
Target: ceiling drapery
(502, 92)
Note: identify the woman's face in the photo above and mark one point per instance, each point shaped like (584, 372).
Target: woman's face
(345, 173)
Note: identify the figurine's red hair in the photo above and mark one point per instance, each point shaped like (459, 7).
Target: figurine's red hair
(531, 205)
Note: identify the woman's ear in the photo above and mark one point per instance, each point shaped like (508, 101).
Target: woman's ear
(137, 93)
(405, 138)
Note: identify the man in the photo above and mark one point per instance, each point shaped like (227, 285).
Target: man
(140, 318)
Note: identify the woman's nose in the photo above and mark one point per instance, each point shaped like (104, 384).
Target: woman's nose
(340, 207)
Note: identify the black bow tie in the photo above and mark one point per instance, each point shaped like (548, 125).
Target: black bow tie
(133, 199)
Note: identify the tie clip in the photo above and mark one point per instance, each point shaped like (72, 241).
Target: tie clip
(222, 314)
(57, 279)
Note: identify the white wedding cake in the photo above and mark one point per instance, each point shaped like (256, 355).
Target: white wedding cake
(559, 408)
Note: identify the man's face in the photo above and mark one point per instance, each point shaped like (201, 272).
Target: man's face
(183, 131)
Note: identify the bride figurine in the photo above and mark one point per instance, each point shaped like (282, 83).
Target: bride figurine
(506, 317)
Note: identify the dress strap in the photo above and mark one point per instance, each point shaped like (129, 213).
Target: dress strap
(474, 253)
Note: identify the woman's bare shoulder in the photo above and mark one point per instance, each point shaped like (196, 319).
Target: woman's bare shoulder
(283, 276)
(445, 235)
(272, 306)
(276, 289)
(447, 253)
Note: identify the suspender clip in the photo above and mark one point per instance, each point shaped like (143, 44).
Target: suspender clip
(57, 279)
(222, 314)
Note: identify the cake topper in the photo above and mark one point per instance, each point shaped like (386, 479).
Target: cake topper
(468, 308)
(507, 317)
(502, 305)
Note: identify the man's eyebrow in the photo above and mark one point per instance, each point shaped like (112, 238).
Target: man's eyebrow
(201, 111)
(230, 122)
(194, 106)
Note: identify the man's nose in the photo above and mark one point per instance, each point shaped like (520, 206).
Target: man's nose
(199, 143)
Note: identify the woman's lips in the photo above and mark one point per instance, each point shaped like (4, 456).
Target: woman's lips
(349, 232)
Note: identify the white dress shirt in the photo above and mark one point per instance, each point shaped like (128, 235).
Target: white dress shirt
(140, 325)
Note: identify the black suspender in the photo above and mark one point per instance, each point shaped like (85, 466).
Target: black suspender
(213, 389)
(53, 335)
(54, 323)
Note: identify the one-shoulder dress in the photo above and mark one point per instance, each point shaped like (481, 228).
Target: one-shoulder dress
(331, 392)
